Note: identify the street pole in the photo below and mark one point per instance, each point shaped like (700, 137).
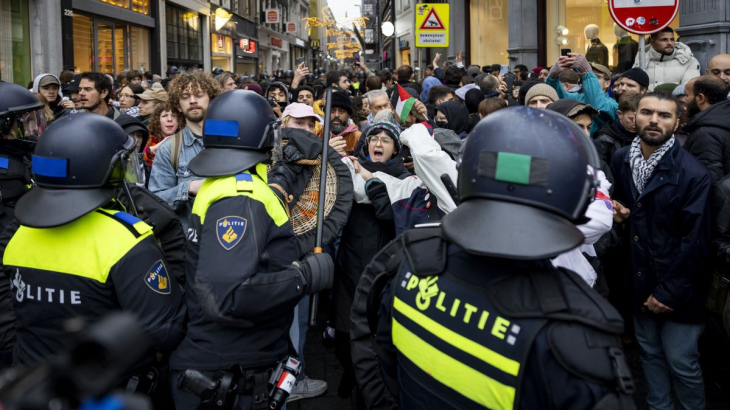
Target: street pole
(642, 52)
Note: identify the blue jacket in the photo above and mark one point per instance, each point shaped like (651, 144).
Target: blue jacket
(667, 232)
(592, 94)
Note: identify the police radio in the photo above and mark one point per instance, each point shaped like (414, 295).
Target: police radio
(282, 381)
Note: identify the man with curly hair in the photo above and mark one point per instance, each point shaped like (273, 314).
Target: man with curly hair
(190, 94)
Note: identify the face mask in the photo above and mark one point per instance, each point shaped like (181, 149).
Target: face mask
(442, 124)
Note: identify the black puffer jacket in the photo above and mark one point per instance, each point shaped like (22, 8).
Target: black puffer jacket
(720, 204)
(369, 228)
(709, 139)
(610, 138)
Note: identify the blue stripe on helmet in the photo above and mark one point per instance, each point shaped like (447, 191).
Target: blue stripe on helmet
(220, 128)
(50, 167)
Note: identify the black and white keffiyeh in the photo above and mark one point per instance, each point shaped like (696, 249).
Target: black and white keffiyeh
(642, 169)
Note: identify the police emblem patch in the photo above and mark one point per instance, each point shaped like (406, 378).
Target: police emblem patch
(157, 278)
(230, 230)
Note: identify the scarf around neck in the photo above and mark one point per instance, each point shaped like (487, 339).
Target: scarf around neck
(641, 169)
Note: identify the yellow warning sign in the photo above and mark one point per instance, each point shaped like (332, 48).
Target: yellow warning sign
(432, 25)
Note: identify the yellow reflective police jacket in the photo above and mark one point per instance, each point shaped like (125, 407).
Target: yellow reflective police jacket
(106, 260)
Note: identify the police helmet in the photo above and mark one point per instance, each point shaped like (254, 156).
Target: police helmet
(361, 74)
(173, 70)
(75, 165)
(289, 74)
(522, 191)
(238, 133)
(279, 73)
(310, 78)
(217, 71)
(22, 116)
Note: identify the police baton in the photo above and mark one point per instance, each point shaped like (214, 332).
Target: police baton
(322, 194)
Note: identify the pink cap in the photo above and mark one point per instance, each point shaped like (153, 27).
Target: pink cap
(299, 110)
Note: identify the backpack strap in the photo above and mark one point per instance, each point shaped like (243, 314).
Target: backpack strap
(176, 148)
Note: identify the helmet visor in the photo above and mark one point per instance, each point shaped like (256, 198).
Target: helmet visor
(133, 168)
(26, 126)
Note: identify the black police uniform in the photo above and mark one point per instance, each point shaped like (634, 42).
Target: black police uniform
(70, 254)
(104, 261)
(471, 313)
(16, 143)
(242, 281)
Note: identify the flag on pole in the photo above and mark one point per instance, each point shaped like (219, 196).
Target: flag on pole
(404, 105)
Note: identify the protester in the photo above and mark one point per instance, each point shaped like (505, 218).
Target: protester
(369, 228)
(301, 116)
(305, 95)
(170, 179)
(453, 115)
(149, 101)
(709, 128)
(226, 81)
(164, 123)
(540, 96)
(720, 67)
(341, 130)
(129, 99)
(661, 196)
(491, 105)
(618, 134)
(668, 61)
(49, 85)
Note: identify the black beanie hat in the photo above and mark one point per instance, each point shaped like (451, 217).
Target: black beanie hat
(340, 100)
(638, 75)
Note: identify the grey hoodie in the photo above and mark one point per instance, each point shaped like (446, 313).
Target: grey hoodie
(678, 68)
(38, 79)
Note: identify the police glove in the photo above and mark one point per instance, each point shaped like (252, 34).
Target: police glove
(318, 272)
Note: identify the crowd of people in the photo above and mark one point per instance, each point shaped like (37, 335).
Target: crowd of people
(656, 233)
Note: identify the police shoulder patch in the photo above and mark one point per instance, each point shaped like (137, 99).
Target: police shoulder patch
(157, 278)
(230, 230)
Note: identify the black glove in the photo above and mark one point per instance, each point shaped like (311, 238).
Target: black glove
(318, 271)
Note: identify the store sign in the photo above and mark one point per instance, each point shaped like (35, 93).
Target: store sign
(314, 44)
(272, 15)
(247, 46)
(432, 25)
(291, 27)
(275, 41)
(643, 16)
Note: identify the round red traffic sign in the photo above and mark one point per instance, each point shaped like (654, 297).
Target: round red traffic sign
(643, 16)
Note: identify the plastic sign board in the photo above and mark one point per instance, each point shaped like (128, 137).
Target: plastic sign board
(643, 16)
(291, 27)
(432, 25)
(272, 15)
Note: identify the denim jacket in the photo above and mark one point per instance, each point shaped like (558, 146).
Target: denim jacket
(172, 185)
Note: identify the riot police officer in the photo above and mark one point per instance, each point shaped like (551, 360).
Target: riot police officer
(71, 252)
(22, 121)
(243, 276)
(474, 315)
(288, 77)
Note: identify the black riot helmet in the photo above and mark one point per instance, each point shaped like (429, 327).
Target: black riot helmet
(217, 71)
(76, 165)
(279, 74)
(310, 78)
(289, 74)
(523, 190)
(22, 116)
(238, 133)
(361, 75)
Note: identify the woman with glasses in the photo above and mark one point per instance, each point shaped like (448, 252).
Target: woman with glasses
(369, 228)
(128, 99)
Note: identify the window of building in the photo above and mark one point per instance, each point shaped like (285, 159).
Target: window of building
(83, 29)
(592, 32)
(15, 42)
(140, 6)
(489, 32)
(184, 38)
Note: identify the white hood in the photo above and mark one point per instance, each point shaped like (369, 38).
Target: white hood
(38, 79)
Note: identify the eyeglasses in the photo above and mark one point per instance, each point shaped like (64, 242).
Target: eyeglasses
(384, 140)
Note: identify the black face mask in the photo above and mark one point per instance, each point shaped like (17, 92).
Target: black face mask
(442, 124)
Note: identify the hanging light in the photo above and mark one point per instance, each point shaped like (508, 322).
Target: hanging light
(562, 40)
(562, 30)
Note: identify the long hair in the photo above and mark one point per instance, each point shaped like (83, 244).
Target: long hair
(46, 109)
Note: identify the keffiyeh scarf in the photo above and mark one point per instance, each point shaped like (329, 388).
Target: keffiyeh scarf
(641, 169)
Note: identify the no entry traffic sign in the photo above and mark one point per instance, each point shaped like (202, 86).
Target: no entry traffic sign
(643, 16)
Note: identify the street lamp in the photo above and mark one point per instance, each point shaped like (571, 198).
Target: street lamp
(387, 29)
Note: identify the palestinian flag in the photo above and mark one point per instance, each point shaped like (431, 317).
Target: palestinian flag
(404, 105)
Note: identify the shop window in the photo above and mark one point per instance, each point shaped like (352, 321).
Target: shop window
(183, 35)
(489, 32)
(15, 42)
(586, 27)
(140, 48)
(83, 29)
